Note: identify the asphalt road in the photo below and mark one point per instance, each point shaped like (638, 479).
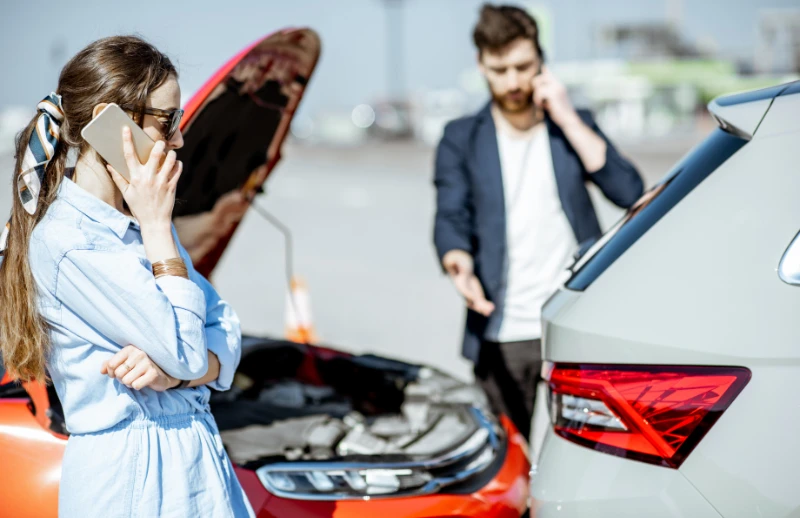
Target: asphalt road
(361, 223)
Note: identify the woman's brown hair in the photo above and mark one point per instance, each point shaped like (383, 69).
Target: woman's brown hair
(119, 69)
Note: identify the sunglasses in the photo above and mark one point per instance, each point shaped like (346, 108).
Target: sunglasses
(173, 117)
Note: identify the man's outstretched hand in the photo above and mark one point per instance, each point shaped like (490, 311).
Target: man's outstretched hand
(459, 265)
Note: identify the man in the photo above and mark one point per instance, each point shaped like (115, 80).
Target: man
(512, 205)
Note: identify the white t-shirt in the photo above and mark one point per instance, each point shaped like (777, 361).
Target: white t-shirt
(540, 240)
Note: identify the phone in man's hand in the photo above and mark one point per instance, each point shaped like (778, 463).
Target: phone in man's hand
(104, 134)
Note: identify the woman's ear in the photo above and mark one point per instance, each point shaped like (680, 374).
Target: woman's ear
(97, 109)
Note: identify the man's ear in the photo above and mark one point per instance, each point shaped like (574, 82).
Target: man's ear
(97, 109)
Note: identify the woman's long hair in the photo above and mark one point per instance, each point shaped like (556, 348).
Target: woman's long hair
(119, 69)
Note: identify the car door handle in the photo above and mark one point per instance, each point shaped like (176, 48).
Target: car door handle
(789, 267)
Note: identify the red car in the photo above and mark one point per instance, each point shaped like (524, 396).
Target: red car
(312, 431)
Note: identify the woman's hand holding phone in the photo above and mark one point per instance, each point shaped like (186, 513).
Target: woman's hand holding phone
(150, 195)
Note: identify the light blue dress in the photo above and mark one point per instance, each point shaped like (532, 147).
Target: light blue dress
(132, 453)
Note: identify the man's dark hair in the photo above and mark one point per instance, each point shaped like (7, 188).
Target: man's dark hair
(499, 25)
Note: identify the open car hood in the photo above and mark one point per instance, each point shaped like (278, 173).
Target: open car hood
(320, 424)
(234, 126)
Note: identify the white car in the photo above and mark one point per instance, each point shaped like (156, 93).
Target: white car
(673, 351)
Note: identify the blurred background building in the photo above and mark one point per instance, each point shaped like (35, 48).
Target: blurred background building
(355, 182)
(647, 69)
(402, 68)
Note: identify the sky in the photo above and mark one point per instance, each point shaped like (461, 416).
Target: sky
(200, 35)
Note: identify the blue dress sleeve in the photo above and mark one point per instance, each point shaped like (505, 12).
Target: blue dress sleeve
(223, 332)
(115, 293)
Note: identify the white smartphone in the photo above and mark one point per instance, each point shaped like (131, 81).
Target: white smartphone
(104, 134)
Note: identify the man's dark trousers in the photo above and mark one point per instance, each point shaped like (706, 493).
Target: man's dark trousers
(509, 373)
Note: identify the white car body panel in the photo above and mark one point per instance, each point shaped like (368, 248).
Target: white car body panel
(700, 287)
(610, 486)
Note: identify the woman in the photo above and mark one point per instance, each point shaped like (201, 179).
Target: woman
(96, 288)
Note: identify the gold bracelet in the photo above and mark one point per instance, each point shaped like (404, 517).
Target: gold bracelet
(174, 266)
(176, 272)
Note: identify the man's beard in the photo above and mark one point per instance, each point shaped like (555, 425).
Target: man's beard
(510, 105)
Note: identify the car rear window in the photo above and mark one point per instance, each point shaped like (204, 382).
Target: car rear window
(651, 207)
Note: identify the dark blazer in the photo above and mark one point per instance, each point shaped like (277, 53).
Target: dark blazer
(470, 206)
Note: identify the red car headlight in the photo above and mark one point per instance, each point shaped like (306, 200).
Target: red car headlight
(363, 479)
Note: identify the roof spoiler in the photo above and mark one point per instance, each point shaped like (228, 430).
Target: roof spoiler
(741, 114)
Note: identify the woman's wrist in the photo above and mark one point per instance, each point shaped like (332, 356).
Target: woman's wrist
(176, 383)
(158, 240)
(156, 229)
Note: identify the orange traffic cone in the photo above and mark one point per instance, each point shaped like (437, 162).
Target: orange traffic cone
(299, 323)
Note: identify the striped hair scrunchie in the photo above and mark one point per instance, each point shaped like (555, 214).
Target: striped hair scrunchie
(40, 151)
